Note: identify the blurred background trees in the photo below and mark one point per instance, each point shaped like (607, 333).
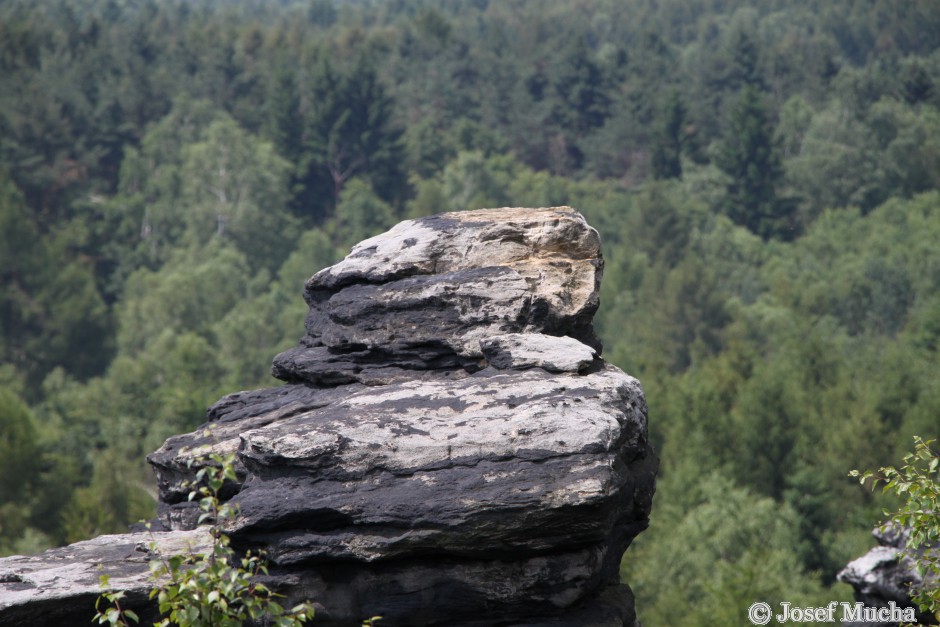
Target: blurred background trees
(765, 180)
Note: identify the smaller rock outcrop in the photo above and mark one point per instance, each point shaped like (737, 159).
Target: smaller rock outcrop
(883, 575)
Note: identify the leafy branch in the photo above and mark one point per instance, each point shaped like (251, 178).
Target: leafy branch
(918, 518)
(216, 589)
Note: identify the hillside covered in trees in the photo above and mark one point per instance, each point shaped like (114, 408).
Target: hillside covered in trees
(765, 178)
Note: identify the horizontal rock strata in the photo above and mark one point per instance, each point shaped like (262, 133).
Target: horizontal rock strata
(421, 296)
(448, 448)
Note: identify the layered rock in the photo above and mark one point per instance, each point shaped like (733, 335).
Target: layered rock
(420, 297)
(449, 447)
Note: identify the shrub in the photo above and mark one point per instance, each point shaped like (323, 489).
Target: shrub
(216, 589)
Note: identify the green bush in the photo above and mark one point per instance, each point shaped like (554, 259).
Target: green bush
(216, 589)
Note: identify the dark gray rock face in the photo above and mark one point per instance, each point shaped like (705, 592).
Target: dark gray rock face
(883, 576)
(449, 448)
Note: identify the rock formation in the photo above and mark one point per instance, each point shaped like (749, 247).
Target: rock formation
(448, 446)
(882, 576)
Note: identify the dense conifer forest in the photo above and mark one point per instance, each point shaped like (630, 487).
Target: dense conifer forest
(765, 177)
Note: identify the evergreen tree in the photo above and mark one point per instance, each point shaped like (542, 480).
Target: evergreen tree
(666, 160)
(21, 462)
(577, 103)
(917, 85)
(750, 157)
(50, 311)
(579, 82)
(284, 123)
(744, 56)
(349, 132)
(19, 451)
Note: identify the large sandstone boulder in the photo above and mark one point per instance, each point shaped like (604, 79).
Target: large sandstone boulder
(448, 447)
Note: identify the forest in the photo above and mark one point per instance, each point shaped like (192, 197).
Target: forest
(765, 177)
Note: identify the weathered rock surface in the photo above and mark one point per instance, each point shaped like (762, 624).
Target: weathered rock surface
(882, 576)
(555, 354)
(60, 586)
(449, 447)
(421, 296)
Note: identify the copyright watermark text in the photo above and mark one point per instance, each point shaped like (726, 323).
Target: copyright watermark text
(761, 613)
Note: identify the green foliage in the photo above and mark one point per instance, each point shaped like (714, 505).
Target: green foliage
(172, 173)
(348, 132)
(118, 492)
(234, 187)
(20, 464)
(217, 589)
(182, 296)
(917, 482)
(667, 151)
(360, 214)
(788, 359)
(19, 447)
(472, 181)
(199, 177)
(50, 311)
(726, 546)
(108, 607)
(749, 155)
(583, 102)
